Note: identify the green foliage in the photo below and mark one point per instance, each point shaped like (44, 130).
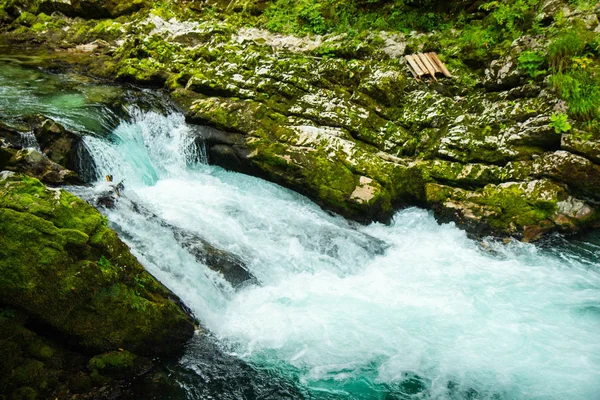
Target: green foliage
(532, 62)
(566, 45)
(513, 15)
(312, 18)
(580, 88)
(323, 16)
(113, 362)
(559, 122)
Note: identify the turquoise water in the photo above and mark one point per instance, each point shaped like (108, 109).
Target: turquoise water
(410, 310)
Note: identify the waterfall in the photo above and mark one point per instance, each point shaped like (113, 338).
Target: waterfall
(413, 309)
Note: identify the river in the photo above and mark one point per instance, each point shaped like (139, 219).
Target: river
(410, 310)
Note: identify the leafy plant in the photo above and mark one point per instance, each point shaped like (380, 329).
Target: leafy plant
(532, 62)
(513, 15)
(559, 122)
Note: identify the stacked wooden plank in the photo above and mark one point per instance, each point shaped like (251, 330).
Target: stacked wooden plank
(422, 64)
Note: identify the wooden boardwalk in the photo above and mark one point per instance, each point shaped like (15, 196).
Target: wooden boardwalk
(422, 64)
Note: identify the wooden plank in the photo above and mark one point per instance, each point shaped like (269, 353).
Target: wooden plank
(420, 64)
(436, 62)
(414, 65)
(412, 71)
(433, 63)
(428, 65)
(442, 66)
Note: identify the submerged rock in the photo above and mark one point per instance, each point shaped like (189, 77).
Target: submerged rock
(229, 265)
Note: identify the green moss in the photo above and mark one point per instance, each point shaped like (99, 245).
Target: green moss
(61, 277)
(29, 374)
(26, 18)
(112, 361)
(511, 208)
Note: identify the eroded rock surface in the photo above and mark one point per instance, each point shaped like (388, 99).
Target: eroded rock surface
(353, 130)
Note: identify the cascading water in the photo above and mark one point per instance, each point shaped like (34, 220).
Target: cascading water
(413, 310)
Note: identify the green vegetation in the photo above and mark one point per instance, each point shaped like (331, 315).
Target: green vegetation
(319, 17)
(559, 122)
(532, 62)
(53, 240)
(573, 55)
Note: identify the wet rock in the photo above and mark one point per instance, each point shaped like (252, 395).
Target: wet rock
(62, 266)
(63, 147)
(11, 137)
(55, 141)
(229, 265)
(526, 210)
(33, 163)
(119, 364)
(215, 374)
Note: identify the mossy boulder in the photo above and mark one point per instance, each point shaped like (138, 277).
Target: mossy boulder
(525, 210)
(58, 144)
(35, 164)
(62, 265)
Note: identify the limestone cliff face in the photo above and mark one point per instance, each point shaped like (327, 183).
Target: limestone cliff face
(353, 130)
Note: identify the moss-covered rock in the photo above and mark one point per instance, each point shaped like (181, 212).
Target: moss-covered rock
(339, 117)
(119, 364)
(66, 269)
(525, 210)
(34, 163)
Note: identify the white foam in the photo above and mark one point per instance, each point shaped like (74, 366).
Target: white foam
(518, 323)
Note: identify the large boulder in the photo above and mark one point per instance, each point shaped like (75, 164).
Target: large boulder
(62, 146)
(67, 270)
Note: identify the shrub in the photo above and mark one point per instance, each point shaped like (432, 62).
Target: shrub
(580, 88)
(567, 45)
